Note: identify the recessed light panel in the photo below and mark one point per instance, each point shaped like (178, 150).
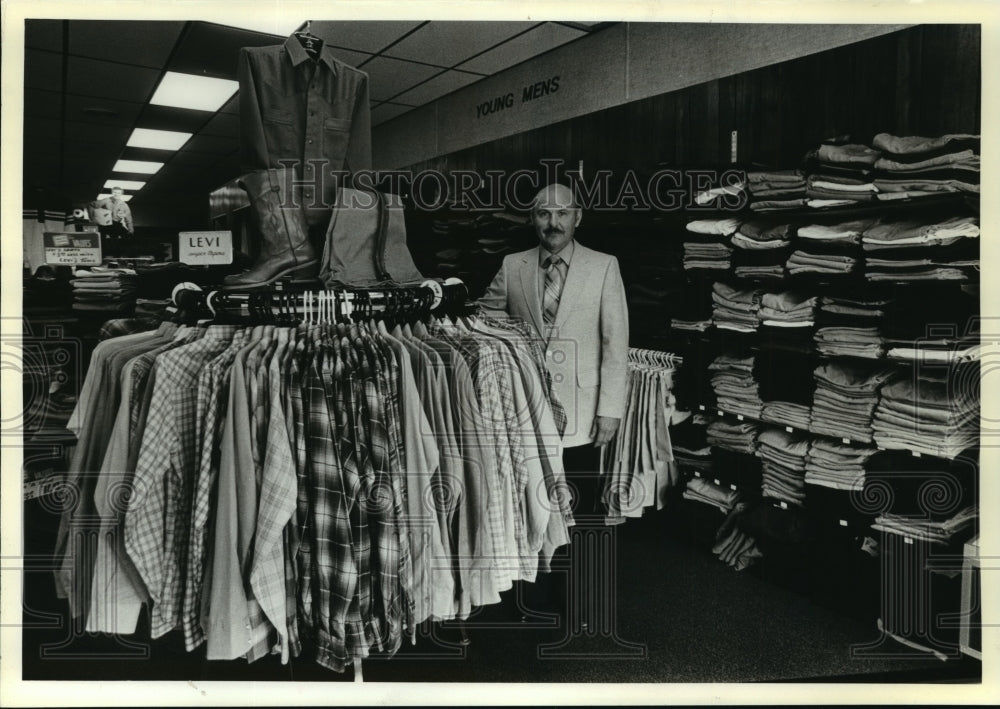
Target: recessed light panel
(200, 93)
(158, 139)
(142, 166)
(124, 184)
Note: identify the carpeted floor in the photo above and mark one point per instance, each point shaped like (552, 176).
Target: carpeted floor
(680, 615)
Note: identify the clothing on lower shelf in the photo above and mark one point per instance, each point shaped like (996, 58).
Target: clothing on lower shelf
(863, 342)
(836, 464)
(702, 490)
(734, 546)
(735, 387)
(735, 308)
(845, 399)
(787, 413)
(936, 418)
(740, 437)
(784, 464)
(936, 532)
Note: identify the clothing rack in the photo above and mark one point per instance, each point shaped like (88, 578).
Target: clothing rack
(654, 358)
(282, 306)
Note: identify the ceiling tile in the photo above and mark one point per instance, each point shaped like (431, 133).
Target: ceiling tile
(217, 145)
(144, 43)
(170, 118)
(92, 77)
(208, 49)
(42, 104)
(46, 130)
(393, 76)
(44, 34)
(186, 158)
(521, 48)
(78, 132)
(42, 70)
(438, 86)
(388, 111)
(349, 57)
(448, 43)
(224, 124)
(365, 36)
(102, 110)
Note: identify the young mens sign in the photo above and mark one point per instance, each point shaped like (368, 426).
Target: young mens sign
(72, 248)
(205, 248)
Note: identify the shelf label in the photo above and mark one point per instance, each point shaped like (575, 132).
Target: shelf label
(847, 441)
(720, 412)
(916, 454)
(789, 429)
(843, 523)
(783, 505)
(701, 407)
(717, 481)
(907, 540)
(72, 248)
(697, 474)
(739, 417)
(205, 248)
(732, 487)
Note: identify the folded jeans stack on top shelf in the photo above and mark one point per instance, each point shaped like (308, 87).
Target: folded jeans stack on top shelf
(928, 249)
(914, 166)
(775, 190)
(841, 175)
(735, 387)
(935, 418)
(784, 464)
(838, 465)
(845, 399)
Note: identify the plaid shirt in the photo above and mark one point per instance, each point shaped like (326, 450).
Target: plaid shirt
(157, 523)
(301, 551)
(127, 326)
(213, 382)
(334, 567)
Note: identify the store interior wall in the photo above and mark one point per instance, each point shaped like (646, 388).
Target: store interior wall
(623, 63)
(923, 80)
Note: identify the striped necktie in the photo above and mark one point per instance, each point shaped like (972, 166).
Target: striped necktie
(553, 289)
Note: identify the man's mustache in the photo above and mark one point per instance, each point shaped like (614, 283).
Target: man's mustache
(553, 230)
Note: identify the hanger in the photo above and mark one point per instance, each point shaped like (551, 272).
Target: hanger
(310, 42)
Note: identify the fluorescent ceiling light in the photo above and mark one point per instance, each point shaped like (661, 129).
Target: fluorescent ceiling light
(106, 195)
(157, 139)
(124, 184)
(268, 23)
(143, 166)
(201, 93)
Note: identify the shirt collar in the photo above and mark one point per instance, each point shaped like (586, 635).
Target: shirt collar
(298, 55)
(566, 254)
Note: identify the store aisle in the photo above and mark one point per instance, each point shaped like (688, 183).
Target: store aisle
(697, 620)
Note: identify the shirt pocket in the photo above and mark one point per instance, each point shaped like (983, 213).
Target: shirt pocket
(336, 139)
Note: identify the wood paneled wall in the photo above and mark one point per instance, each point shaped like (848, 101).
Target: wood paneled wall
(924, 80)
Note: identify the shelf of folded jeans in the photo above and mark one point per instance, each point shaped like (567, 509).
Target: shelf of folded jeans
(947, 200)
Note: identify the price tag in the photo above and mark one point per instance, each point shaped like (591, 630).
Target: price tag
(732, 487)
(739, 417)
(843, 523)
(916, 454)
(907, 540)
(847, 441)
(72, 248)
(783, 505)
(789, 429)
(701, 407)
(717, 481)
(697, 474)
(720, 412)
(205, 248)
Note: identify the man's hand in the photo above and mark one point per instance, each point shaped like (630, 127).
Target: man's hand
(603, 430)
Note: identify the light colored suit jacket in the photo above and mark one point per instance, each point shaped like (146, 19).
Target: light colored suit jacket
(588, 350)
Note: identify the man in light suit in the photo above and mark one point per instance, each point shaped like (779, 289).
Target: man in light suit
(575, 299)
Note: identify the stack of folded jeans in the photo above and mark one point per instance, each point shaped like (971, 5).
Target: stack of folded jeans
(776, 190)
(706, 244)
(735, 387)
(730, 192)
(843, 172)
(955, 529)
(936, 418)
(845, 399)
(784, 464)
(787, 309)
(851, 326)
(922, 249)
(104, 290)
(913, 166)
(690, 445)
(836, 464)
(761, 249)
(735, 308)
(787, 413)
(734, 546)
(702, 490)
(736, 436)
(828, 248)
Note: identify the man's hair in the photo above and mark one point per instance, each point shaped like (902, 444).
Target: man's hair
(573, 201)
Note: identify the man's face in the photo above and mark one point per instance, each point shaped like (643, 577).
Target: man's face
(116, 192)
(555, 224)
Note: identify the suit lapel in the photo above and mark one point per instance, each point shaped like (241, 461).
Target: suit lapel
(529, 284)
(576, 282)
